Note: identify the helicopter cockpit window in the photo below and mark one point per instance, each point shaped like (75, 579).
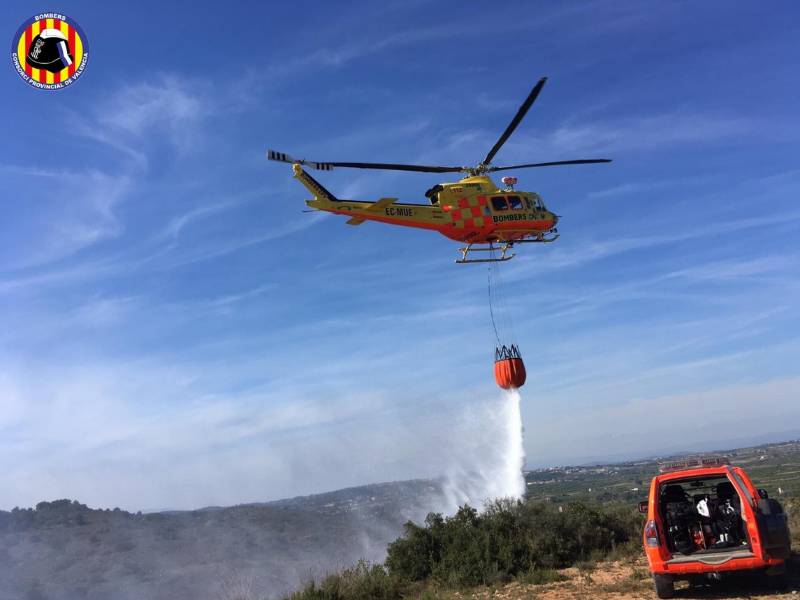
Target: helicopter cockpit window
(499, 203)
(515, 203)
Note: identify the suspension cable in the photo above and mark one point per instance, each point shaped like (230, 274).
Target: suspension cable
(506, 308)
(499, 310)
(491, 309)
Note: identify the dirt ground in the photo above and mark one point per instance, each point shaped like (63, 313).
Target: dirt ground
(631, 580)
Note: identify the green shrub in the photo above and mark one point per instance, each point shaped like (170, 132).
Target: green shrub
(507, 539)
(363, 581)
(413, 555)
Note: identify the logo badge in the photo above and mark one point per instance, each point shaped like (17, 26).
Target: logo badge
(50, 51)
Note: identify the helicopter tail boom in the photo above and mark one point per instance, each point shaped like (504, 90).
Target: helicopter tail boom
(312, 185)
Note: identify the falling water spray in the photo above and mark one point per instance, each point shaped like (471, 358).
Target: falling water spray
(491, 455)
(510, 480)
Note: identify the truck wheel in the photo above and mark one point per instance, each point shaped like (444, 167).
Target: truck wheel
(665, 586)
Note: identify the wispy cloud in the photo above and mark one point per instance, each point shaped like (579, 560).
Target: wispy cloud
(615, 136)
(103, 312)
(593, 250)
(138, 114)
(732, 271)
(377, 34)
(139, 107)
(85, 211)
(173, 257)
(55, 226)
(178, 223)
(722, 415)
(644, 187)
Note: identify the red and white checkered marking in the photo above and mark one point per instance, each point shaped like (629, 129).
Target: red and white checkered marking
(470, 212)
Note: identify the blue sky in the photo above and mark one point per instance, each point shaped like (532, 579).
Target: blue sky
(174, 331)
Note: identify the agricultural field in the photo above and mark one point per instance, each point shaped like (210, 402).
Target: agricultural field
(775, 467)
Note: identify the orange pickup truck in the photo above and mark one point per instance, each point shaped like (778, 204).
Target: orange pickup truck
(706, 519)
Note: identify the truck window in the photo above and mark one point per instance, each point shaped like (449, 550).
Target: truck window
(515, 202)
(747, 497)
(499, 203)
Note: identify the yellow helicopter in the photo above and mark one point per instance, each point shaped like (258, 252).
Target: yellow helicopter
(474, 210)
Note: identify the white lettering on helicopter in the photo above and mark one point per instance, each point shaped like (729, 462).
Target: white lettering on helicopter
(394, 211)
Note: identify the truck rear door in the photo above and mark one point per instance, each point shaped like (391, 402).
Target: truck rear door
(767, 524)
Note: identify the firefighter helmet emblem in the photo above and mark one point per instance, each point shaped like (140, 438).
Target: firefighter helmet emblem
(49, 51)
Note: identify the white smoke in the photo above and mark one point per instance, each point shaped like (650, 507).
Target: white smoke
(490, 456)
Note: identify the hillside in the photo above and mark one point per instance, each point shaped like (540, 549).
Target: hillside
(512, 548)
(64, 550)
(526, 549)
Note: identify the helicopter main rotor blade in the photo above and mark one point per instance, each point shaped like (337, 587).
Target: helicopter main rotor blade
(327, 166)
(397, 167)
(523, 110)
(586, 161)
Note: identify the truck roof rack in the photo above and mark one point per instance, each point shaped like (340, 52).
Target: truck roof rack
(693, 463)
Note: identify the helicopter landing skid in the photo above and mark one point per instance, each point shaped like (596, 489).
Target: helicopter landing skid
(538, 240)
(503, 249)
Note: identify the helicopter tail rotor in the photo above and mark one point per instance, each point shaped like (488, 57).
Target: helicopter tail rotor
(283, 157)
(279, 156)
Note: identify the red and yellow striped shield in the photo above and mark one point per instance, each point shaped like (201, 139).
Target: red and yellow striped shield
(50, 51)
